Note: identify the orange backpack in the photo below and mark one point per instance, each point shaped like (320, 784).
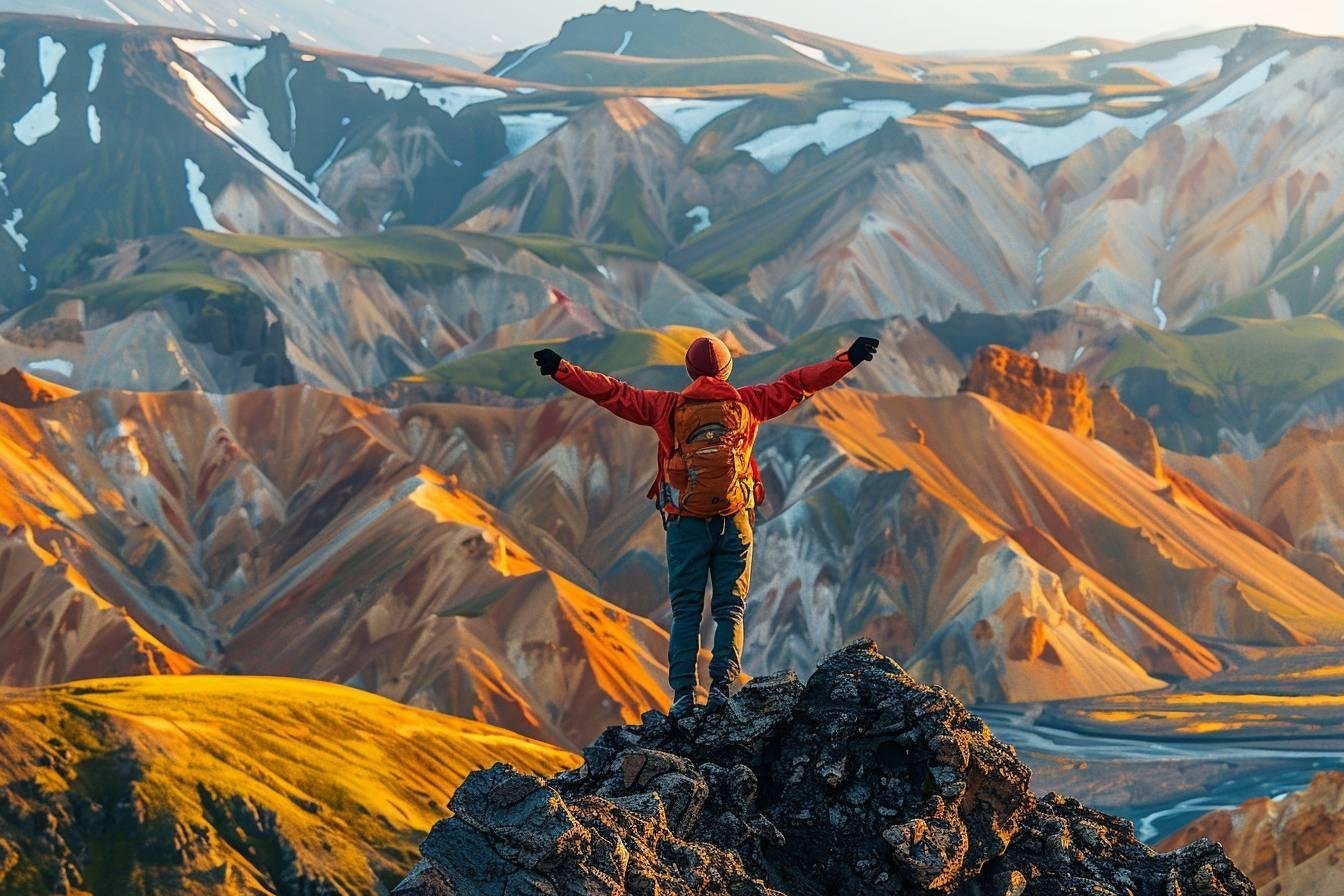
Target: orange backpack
(710, 464)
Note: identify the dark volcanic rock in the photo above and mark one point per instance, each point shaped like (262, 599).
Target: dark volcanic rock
(862, 781)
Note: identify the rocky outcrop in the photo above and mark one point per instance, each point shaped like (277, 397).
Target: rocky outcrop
(860, 781)
(1062, 400)
(22, 390)
(1126, 431)
(1024, 384)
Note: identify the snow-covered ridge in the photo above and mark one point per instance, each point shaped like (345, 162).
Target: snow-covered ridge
(687, 117)
(1187, 65)
(1037, 144)
(52, 365)
(1241, 87)
(451, 99)
(1027, 101)
(454, 99)
(523, 131)
(250, 137)
(814, 53)
(833, 129)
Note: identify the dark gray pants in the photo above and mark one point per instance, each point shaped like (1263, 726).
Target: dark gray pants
(718, 551)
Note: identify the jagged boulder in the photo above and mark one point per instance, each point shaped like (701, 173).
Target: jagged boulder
(861, 781)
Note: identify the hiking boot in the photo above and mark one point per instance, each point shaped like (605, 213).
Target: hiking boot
(683, 705)
(718, 695)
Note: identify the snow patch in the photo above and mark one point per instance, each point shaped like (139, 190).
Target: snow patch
(1187, 65)
(1078, 353)
(1085, 53)
(1246, 84)
(1036, 144)
(95, 126)
(200, 203)
(687, 117)
(50, 52)
(454, 99)
(37, 122)
(700, 214)
(390, 88)
(624, 43)
(2, 60)
(52, 365)
(814, 53)
(121, 12)
(11, 227)
(832, 130)
(1028, 101)
(602, 269)
(96, 54)
(519, 61)
(522, 132)
(1157, 309)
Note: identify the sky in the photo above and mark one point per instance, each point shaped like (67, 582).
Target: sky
(912, 27)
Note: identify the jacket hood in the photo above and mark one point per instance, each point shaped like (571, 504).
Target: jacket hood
(710, 388)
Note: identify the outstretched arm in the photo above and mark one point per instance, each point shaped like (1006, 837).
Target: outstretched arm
(784, 394)
(643, 406)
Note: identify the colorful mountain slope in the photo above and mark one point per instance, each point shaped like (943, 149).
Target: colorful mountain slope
(157, 532)
(227, 784)
(1008, 558)
(1290, 845)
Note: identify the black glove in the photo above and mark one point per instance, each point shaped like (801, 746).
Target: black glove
(548, 361)
(862, 350)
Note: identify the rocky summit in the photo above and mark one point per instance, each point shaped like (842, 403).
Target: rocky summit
(862, 780)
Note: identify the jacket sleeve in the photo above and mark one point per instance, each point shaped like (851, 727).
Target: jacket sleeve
(643, 406)
(784, 394)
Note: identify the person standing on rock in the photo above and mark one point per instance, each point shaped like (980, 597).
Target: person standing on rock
(707, 488)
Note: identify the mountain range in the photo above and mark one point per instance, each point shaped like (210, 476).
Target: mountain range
(268, 306)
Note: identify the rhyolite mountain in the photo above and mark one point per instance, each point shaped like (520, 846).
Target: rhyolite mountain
(1017, 541)
(860, 780)
(357, 220)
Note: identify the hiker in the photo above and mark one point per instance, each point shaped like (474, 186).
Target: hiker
(707, 488)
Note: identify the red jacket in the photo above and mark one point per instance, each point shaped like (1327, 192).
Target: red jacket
(653, 407)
